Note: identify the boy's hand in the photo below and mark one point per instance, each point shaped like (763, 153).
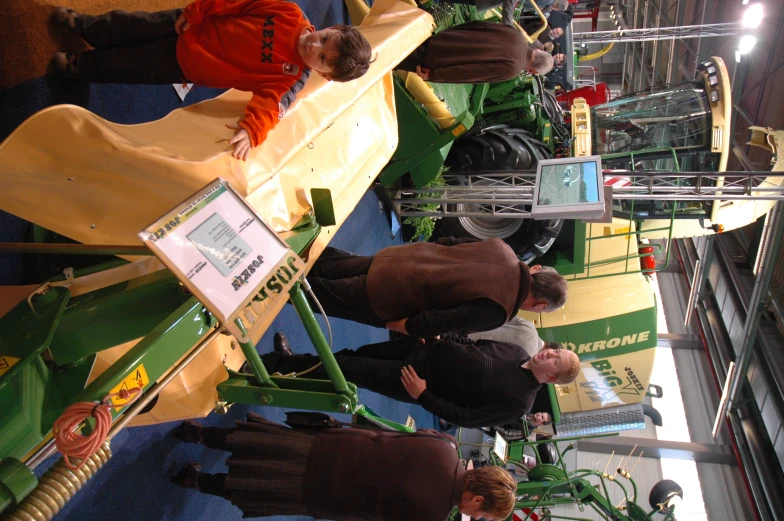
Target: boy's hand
(414, 385)
(181, 25)
(241, 142)
(422, 72)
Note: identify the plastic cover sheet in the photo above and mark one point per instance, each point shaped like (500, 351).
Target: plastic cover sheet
(68, 170)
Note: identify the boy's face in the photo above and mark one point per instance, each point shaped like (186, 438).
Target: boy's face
(318, 48)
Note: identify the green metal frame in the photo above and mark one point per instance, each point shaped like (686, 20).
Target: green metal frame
(423, 144)
(333, 395)
(550, 485)
(51, 345)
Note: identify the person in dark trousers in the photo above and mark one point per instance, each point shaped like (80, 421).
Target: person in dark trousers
(266, 47)
(428, 289)
(515, 432)
(465, 382)
(345, 474)
(549, 35)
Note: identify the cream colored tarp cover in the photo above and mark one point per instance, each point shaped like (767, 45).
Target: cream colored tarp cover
(67, 169)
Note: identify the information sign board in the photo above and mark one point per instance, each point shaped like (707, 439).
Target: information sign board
(225, 254)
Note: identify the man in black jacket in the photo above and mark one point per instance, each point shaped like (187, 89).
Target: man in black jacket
(465, 382)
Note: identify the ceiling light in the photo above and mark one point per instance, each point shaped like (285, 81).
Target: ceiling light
(752, 16)
(746, 43)
(714, 95)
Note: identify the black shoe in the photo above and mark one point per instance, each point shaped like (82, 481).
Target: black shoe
(281, 344)
(188, 476)
(188, 431)
(444, 425)
(66, 64)
(66, 17)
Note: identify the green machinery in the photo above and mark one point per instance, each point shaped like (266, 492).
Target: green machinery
(549, 484)
(500, 131)
(49, 343)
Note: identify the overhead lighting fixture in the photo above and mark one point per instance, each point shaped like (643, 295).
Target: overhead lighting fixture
(713, 79)
(747, 43)
(711, 70)
(714, 95)
(737, 56)
(752, 16)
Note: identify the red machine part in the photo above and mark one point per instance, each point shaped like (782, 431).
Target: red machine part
(593, 95)
(647, 262)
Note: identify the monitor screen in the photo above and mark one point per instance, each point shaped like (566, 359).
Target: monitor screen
(569, 188)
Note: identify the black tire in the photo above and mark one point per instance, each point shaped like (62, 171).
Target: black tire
(547, 452)
(499, 148)
(663, 493)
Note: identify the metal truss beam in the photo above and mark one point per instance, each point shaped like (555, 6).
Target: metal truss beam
(658, 33)
(509, 194)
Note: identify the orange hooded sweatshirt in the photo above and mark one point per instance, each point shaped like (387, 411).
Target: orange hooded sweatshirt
(250, 45)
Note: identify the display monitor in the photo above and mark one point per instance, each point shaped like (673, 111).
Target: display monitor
(569, 188)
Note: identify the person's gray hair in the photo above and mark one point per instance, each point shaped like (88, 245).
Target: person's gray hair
(560, 5)
(548, 285)
(541, 62)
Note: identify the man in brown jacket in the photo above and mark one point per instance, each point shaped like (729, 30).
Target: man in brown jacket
(345, 474)
(476, 52)
(428, 289)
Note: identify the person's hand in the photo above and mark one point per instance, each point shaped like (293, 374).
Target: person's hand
(181, 25)
(398, 325)
(422, 72)
(241, 142)
(414, 385)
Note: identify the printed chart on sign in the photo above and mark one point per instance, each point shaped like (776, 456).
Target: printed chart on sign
(220, 244)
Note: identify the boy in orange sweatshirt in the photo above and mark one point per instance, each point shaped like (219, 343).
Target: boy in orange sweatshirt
(267, 47)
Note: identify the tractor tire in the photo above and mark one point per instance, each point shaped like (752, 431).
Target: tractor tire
(499, 148)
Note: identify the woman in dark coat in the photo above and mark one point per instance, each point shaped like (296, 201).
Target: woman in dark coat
(345, 474)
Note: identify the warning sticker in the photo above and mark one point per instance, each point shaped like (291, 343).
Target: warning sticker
(137, 378)
(6, 363)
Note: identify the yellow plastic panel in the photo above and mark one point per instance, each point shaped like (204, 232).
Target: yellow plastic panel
(617, 380)
(336, 136)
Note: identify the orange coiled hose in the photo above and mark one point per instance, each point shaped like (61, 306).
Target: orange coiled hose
(70, 443)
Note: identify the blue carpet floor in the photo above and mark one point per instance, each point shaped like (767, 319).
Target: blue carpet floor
(134, 486)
